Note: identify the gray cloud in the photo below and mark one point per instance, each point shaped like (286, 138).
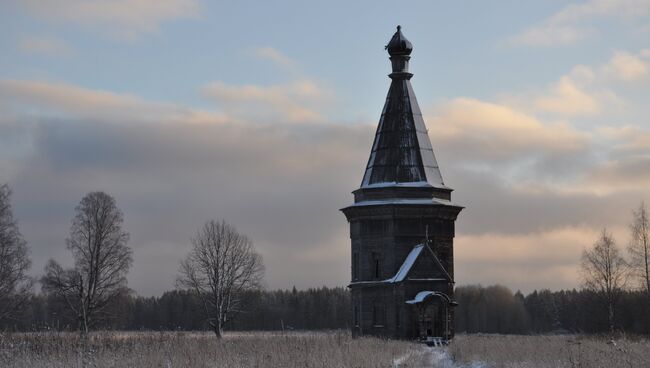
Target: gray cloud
(495, 206)
(281, 184)
(171, 168)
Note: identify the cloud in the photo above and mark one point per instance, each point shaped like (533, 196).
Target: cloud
(570, 24)
(282, 182)
(603, 8)
(269, 53)
(45, 45)
(585, 91)
(628, 139)
(302, 99)
(298, 101)
(568, 99)
(541, 260)
(550, 35)
(491, 131)
(124, 18)
(620, 174)
(626, 67)
(66, 100)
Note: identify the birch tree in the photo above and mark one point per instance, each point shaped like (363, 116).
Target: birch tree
(605, 272)
(639, 249)
(220, 266)
(101, 261)
(15, 284)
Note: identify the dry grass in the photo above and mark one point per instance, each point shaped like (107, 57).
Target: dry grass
(311, 349)
(178, 349)
(548, 351)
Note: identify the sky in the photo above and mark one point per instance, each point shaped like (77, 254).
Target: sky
(263, 114)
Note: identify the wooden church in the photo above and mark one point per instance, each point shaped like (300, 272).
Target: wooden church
(402, 224)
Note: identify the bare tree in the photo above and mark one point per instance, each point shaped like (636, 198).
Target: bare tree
(15, 284)
(101, 261)
(605, 272)
(220, 266)
(639, 248)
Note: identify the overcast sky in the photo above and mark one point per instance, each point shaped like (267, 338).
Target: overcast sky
(263, 114)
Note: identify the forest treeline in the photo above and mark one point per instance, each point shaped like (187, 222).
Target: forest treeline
(493, 309)
(312, 309)
(220, 286)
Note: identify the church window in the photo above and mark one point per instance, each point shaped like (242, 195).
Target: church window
(356, 316)
(378, 315)
(355, 266)
(397, 319)
(376, 265)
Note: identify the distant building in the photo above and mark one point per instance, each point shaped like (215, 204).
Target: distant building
(402, 224)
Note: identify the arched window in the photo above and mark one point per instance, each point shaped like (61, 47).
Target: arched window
(356, 316)
(376, 265)
(378, 315)
(355, 266)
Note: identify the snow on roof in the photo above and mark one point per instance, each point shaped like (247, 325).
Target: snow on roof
(428, 279)
(419, 298)
(398, 184)
(406, 266)
(404, 201)
(422, 295)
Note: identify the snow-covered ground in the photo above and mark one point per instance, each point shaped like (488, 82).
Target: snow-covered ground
(436, 357)
(558, 351)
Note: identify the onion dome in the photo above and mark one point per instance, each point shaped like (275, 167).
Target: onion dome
(398, 44)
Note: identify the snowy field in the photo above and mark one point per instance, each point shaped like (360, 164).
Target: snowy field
(313, 349)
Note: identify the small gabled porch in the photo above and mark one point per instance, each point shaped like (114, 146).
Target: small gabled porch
(433, 320)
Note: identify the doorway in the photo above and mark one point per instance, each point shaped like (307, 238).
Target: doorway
(432, 319)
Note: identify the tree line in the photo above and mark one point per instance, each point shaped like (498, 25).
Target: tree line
(311, 309)
(495, 309)
(219, 286)
(490, 309)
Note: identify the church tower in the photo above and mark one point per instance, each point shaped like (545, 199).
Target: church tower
(402, 224)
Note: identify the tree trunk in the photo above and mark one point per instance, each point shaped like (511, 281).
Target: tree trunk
(610, 316)
(647, 269)
(217, 331)
(83, 326)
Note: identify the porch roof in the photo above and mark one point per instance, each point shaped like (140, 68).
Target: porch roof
(422, 295)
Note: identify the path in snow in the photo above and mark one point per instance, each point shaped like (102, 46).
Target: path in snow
(433, 357)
